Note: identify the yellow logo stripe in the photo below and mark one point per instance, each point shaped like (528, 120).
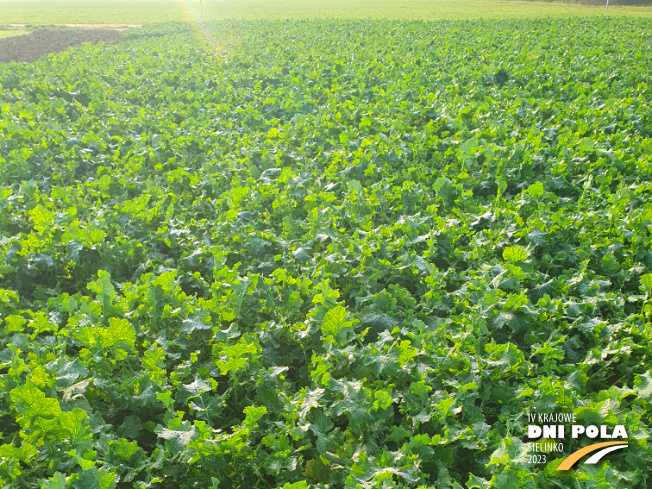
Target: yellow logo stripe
(575, 456)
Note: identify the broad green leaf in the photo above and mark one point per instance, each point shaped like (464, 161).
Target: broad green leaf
(643, 385)
(536, 189)
(14, 323)
(195, 323)
(514, 254)
(125, 449)
(586, 144)
(253, 414)
(179, 437)
(334, 321)
(34, 406)
(103, 288)
(355, 185)
(120, 335)
(95, 479)
(58, 481)
(76, 427)
(315, 471)
(646, 283)
(296, 485)
(130, 427)
(24, 453)
(236, 357)
(321, 423)
(382, 400)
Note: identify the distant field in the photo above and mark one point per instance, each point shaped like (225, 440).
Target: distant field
(143, 11)
(17, 32)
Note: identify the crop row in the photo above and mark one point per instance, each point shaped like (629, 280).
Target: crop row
(344, 254)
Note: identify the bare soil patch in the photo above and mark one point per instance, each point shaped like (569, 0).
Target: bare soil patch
(30, 47)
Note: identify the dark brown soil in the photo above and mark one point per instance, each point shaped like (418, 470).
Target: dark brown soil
(30, 47)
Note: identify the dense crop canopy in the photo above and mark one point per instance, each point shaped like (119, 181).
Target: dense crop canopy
(345, 254)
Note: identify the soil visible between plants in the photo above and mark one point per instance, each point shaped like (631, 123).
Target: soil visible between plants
(30, 47)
